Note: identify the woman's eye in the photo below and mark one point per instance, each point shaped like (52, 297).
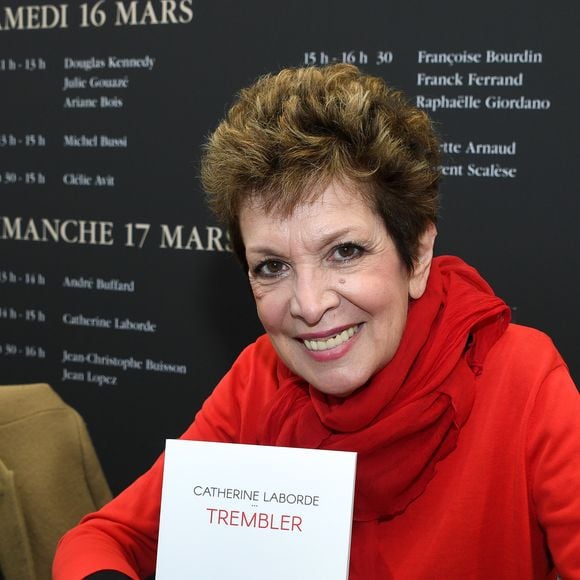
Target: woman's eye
(270, 268)
(346, 252)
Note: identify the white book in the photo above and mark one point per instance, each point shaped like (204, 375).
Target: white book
(254, 512)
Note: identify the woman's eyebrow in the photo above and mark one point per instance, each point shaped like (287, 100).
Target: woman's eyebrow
(320, 242)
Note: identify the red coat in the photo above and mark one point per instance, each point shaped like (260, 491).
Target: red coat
(504, 504)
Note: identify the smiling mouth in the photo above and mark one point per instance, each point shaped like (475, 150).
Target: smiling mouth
(333, 341)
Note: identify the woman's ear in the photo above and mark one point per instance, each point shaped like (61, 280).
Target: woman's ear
(420, 275)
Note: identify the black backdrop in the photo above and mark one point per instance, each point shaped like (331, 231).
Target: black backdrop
(108, 257)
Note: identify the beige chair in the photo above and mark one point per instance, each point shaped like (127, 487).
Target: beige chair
(49, 478)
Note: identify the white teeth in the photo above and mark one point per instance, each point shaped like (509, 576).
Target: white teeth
(333, 341)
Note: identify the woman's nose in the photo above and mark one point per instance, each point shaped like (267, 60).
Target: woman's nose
(313, 295)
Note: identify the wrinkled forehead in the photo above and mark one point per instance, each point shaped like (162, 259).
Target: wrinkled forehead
(337, 212)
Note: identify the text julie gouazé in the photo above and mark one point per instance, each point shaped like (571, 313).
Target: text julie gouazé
(96, 15)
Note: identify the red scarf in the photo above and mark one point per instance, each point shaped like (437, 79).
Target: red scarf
(408, 417)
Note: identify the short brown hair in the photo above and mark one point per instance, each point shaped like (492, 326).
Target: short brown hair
(288, 135)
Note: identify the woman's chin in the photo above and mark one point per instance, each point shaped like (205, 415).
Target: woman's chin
(337, 386)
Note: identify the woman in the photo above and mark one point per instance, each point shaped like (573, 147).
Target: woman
(466, 427)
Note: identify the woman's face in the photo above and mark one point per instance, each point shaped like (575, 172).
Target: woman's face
(330, 288)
